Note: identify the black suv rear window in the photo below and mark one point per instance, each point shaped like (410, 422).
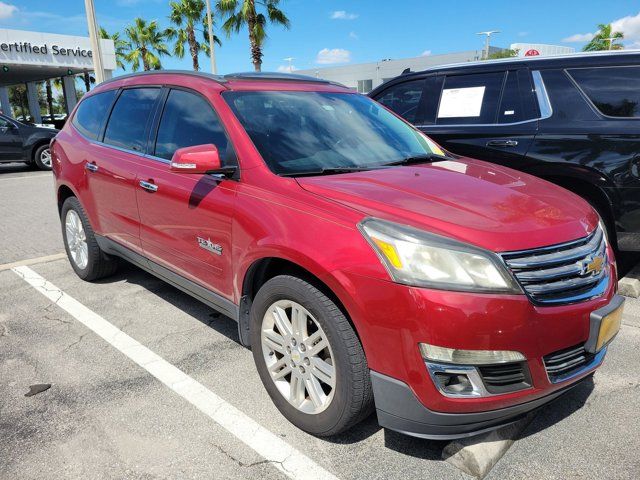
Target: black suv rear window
(129, 117)
(91, 112)
(615, 91)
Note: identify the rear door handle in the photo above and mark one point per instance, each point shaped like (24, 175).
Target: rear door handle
(148, 186)
(92, 167)
(502, 143)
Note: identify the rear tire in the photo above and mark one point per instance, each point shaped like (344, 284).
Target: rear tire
(86, 258)
(42, 157)
(323, 390)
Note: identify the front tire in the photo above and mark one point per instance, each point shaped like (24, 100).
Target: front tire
(42, 157)
(309, 357)
(86, 258)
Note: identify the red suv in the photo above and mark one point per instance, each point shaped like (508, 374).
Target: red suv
(364, 265)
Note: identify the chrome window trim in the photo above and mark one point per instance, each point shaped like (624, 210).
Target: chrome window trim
(546, 110)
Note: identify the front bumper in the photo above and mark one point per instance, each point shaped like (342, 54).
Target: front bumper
(398, 409)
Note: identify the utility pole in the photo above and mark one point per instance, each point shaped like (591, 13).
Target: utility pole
(98, 69)
(488, 37)
(289, 59)
(610, 40)
(211, 42)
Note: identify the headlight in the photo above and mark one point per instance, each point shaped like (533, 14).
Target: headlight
(415, 257)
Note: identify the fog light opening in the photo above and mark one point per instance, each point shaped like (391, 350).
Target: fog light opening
(454, 383)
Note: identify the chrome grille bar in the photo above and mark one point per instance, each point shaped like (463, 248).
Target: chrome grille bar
(562, 273)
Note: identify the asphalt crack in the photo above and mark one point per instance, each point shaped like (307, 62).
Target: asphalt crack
(249, 465)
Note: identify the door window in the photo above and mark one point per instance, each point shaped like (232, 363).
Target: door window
(403, 99)
(189, 120)
(470, 99)
(128, 121)
(615, 91)
(92, 112)
(511, 105)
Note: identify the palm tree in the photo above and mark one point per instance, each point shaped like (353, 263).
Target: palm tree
(243, 12)
(604, 39)
(185, 15)
(146, 43)
(121, 46)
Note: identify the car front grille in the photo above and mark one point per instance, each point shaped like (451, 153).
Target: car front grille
(503, 378)
(564, 362)
(566, 273)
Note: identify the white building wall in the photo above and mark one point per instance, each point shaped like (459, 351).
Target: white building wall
(378, 72)
(543, 48)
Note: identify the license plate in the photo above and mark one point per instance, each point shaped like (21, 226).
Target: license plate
(605, 324)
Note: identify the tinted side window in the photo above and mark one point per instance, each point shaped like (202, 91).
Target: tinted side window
(470, 99)
(615, 91)
(511, 105)
(91, 112)
(4, 123)
(128, 120)
(403, 99)
(188, 120)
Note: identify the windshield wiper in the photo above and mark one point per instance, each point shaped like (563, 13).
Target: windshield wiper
(413, 159)
(330, 171)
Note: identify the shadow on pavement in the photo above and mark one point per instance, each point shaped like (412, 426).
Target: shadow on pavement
(547, 416)
(15, 168)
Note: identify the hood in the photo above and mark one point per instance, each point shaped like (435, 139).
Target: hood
(480, 203)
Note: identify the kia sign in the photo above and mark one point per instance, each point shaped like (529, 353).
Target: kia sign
(531, 53)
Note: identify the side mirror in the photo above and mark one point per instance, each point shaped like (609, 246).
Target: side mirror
(196, 159)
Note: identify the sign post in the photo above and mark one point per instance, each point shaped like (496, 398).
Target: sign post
(98, 69)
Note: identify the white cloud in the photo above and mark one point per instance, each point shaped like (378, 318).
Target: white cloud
(354, 36)
(328, 56)
(285, 68)
(7, 10)
(343, 15)
(630, 27)
(579, 37)
(426, 53)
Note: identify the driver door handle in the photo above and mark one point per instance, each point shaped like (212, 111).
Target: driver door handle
(502, 143)
(148, 186)
(92, 167)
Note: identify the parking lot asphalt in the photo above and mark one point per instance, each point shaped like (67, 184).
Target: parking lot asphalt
(106, 416)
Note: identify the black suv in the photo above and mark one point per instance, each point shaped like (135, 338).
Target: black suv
(25, 143)
(573, 120)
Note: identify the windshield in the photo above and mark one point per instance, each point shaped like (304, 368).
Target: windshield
(305, 132)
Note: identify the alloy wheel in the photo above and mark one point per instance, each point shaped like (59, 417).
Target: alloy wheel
(76, 239)
(45, 157)
(298, 356)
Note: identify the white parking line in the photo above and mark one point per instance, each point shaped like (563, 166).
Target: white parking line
(33, 261)
(283, 456)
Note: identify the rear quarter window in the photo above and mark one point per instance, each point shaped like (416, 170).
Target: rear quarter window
(615, 91)
(92, 112)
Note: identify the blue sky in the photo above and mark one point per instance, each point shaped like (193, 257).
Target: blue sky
(326, 32)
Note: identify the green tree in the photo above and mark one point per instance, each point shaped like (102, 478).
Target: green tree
(187, 15)
(604, 39)
(121, 46)
(244, 12)
(146, 44)
(504, 53)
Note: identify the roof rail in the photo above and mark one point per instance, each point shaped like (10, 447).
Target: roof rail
(216, 78)
(275, 76)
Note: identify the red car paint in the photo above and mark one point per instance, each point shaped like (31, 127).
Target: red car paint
(312, 222)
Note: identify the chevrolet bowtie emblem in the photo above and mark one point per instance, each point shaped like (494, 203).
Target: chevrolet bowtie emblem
(592, 265)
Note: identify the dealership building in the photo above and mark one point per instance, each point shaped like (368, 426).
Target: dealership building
(31, 57)
(364, 77)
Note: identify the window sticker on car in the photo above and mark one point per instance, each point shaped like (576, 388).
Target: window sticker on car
(461, 102)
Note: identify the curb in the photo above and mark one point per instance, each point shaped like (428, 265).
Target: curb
(477, 455)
